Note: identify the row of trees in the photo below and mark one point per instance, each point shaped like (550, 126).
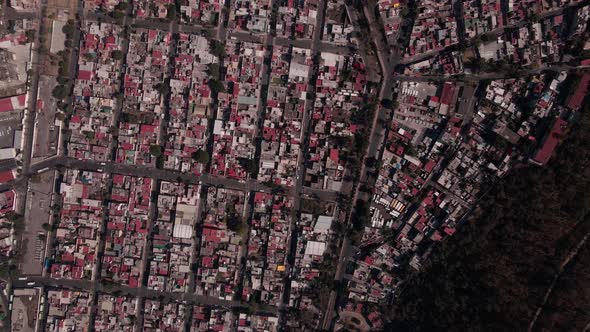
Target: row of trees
(61, 90)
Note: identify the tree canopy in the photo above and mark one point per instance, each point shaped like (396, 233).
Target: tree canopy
(201, 156)
(156, 150)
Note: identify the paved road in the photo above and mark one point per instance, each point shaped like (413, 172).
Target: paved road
(160, 174)
(86, 285)
(496, 32)
(13, 14)
(222, 22)
(487, 76)
(375, 138)
(30, 114)
(151, 23)
(297, 190)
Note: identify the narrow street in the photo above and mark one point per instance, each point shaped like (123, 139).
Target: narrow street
(297, 190)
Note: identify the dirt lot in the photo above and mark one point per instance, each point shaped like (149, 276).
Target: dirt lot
(54, 9)
(63, 4)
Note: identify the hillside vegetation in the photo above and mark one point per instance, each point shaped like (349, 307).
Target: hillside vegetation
(494, 273)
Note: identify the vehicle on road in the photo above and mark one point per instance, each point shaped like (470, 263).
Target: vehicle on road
(42, 170)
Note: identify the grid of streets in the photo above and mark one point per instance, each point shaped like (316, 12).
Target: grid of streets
(261, 165)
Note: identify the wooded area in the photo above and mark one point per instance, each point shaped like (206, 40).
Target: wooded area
(494, 273)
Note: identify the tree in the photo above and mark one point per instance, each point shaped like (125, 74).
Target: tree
(217, 48)
(60, 116)
(156, 150)
(234, 223)
(59, 92)
(249, 165)
(63, 80)
(201, 156)
(117, 54)
(163, 88)
(171, 12)
(46, 227)
(90, 56)
(213, 71)
(68, 29)
(118, 15)
(216, 86)
(64, 68)
(122, 6)
(405, 11)
(214, 18)
(387, 103)
(30, 35)
(370, 161)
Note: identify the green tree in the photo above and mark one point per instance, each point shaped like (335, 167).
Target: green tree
(68, 29)
(156, 150)
(201, 156)
(216, 86)
(387, 103)
(163, 88)
(89, 56)
(217, 48)
(59, 92)
(249, 165)
(171, 12)
(122, 6)
(117, 54)
(118, 15)
(213, 71)
(30, 34)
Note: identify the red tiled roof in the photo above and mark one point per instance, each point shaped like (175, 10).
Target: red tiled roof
(334, 155)
(12, 103)
(6, 176)
(5, 105)
(576, 99)
(551, 142)
(85, 75)
(447, 93)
